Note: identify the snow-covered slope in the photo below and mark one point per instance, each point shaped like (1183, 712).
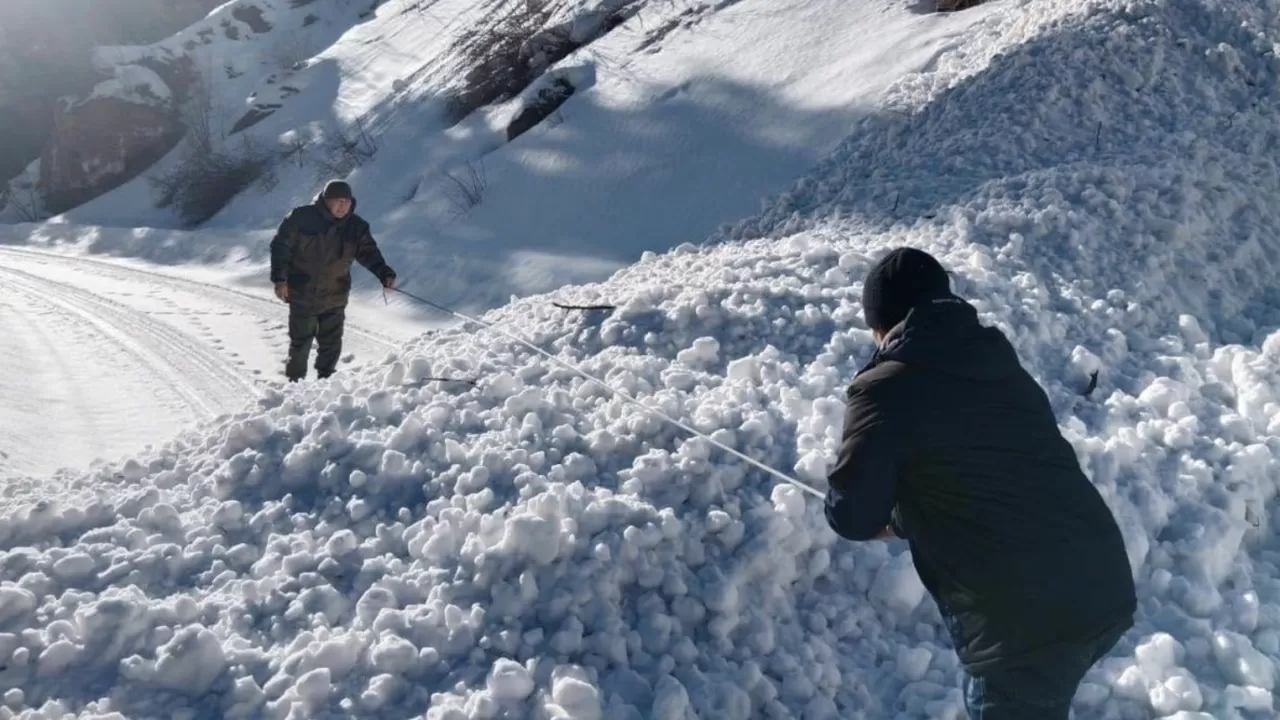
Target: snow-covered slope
(382, 546)
(684, 115)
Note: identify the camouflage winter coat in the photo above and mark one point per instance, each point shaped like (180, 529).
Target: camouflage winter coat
(313, 251)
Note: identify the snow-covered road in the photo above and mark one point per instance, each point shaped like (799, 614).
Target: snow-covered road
(101, 359)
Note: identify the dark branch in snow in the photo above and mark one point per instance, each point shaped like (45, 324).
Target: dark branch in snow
(1093, 384)
(564, 306)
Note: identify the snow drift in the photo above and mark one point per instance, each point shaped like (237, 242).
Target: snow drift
(381, 545)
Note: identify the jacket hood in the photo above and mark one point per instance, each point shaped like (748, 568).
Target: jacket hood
(944, 334)
(324, 209)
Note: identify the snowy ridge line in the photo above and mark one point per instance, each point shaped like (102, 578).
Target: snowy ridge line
(244, 299)
(625, 396)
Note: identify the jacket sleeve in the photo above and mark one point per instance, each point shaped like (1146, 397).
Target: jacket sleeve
(368, 255)
(282, 250)
(860, 498)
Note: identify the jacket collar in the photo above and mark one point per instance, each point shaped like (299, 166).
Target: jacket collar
(945, 334)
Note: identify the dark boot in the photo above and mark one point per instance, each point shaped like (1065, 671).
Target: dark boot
(302, 330)
(329, 326)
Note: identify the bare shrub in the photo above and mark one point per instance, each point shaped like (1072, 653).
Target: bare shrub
(295, 149)
(291, 50)
(201, 184)
(23, 200)
(203, 116)
(496, 53)
(209, 173)
(346, 150)
(514, 45)
(467, 186)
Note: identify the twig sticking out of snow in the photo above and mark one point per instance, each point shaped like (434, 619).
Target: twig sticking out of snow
(1093, 384)
(564, 306)
(465, 381)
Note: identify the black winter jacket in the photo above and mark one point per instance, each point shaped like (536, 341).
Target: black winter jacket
(312, 251)
(950, 442)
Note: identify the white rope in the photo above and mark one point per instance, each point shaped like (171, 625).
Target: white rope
(779, 475)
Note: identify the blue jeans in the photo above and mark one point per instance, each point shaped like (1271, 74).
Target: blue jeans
(1039, 689)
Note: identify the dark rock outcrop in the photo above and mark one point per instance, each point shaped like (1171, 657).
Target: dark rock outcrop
(179, 74)
(547, 101)
(100, 144)
(514, 50)
(252, 16)
(45, 50)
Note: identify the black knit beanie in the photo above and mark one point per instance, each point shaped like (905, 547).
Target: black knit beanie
(898, 282)
(336, 189)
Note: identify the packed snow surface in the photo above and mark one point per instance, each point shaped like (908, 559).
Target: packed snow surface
(1101, 178)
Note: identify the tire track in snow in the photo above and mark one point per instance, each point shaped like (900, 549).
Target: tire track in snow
(22, 331)
(251, 304)
(202, 380)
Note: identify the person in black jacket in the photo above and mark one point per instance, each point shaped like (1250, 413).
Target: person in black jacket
(311, 258)
(951, 445)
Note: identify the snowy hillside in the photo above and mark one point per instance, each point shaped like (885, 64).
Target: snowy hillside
(1101, 178)
(682, 116)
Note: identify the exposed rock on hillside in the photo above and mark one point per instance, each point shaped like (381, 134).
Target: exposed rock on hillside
(124, 126)
(518, 42)
(45, 54)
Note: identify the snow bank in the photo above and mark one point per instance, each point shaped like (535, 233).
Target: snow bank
(383, 545)
(1148, 141)
(390, 546)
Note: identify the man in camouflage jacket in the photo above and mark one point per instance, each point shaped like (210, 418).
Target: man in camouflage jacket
(311, 256)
